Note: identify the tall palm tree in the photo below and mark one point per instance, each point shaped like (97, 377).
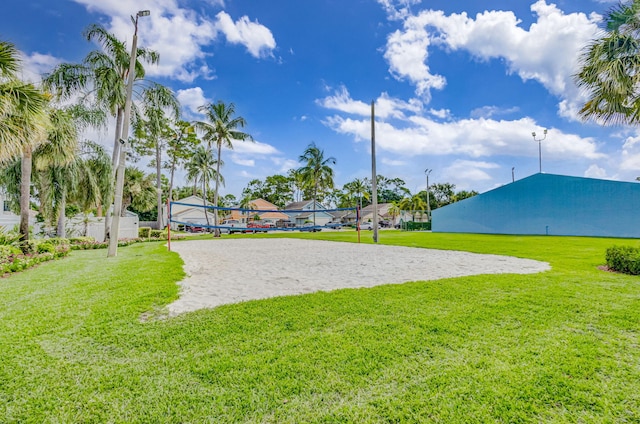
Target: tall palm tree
(610, 68)
(220, 128)
(101, 77)
(413, 204)
(153, 125)
(247, 203)
(24, 123)
(201, 169)
(317, 173)
(358, 188)
(394, 211)
(180, 145)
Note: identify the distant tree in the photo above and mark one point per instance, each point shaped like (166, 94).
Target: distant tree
(202, 167)
(463, 194)
(153, 132)
(391, 189)
(413, 204)
(317, 173)
(220, 128)
(181, 143)
(358, 189)
(442, 193)
(297, 184)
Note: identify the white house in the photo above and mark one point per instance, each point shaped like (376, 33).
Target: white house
(189, 210)
(300, 213)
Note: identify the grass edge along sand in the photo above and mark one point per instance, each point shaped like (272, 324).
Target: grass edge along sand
(561, 346)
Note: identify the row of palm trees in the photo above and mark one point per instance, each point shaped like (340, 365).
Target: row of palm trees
(39, 138)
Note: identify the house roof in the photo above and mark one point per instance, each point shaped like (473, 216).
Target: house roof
(297, 205)
(274, 215)
(261, 204)
(193, 199)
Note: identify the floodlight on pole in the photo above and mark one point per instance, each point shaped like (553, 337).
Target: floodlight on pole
(427, 172)
(539, 147)
(124, 139)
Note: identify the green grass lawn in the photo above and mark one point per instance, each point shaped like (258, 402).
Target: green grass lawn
(77, 344)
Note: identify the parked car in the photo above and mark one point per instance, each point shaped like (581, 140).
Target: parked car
(281, 223)
(367, 226)
(310, 227)
(194, 229)
(228, 226)
(334, 225)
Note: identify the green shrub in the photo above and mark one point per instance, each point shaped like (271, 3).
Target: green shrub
(158, 234)
(624, 259)
(144, 232)
(8, 237)
(45, 247)
(77, 240)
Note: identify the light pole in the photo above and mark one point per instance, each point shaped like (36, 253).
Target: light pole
(124, 140)
(427, 172)
(539, 147)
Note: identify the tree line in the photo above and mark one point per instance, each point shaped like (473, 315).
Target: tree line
(46, 166)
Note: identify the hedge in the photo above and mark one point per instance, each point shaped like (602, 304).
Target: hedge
(624, 259)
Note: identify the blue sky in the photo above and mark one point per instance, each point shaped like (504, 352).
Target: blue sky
(459, 85)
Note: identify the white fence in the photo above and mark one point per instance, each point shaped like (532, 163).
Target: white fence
(92, 226)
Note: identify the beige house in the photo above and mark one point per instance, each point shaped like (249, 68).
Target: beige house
(189, 211)
(269, 214)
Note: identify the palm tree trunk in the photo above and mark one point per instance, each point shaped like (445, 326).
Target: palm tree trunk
(216, 232)
(159, 185)
(315, 196)
(25, 192)
(61, 231)
(114, 166)
(204, 201)
(173, 171)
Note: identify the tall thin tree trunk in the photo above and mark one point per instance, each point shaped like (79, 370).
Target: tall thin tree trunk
(25, 192)
(159, 185)
(204, 202)
(216, 232)
(114, 166)
(61, 230)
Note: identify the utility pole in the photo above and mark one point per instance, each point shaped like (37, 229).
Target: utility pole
(427, 172)
(374, 180)
(124, 140)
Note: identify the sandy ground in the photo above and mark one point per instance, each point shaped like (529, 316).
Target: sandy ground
(230, 271)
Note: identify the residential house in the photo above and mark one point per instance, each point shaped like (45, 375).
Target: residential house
(366, 215)
(10, 220)
(301, 213)
(266, 211)
(190, 211)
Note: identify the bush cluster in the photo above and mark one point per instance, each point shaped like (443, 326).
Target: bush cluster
(147, 232)
(33, 252)
(624, 259)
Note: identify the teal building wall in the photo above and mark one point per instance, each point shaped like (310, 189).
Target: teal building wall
(548, 204)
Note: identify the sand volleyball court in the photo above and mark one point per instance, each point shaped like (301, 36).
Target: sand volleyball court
(229, 271)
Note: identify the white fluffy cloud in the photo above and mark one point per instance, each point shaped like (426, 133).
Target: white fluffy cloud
(472, 138)
(385, 105)
(257, 38)
(182, 35)
(37, 64)
(546, 52)
(191, 99)
(402, 129)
